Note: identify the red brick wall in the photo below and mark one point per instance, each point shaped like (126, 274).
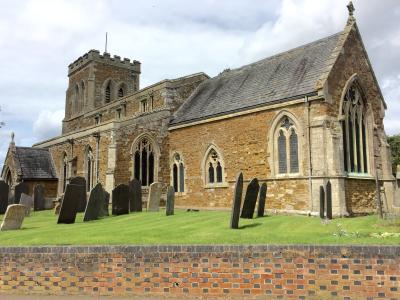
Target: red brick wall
(251, 272)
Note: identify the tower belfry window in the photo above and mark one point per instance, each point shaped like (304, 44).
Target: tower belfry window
(121, 93)
(108, 93)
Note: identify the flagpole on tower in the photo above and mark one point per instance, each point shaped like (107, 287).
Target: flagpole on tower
(106, 42)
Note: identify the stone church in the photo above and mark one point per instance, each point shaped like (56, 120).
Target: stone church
(295, 120)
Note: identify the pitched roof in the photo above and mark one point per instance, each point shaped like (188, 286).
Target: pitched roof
(277, 78)
(35, 163)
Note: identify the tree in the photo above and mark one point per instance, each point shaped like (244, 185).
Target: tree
(394, 142)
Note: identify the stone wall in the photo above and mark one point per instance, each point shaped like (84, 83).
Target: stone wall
(50, 187)
(229, 272)
(360, 196)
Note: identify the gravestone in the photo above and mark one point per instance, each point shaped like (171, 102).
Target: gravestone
(48, 203)
(82, 198)
(321, 202)
(4, 190)
(261, 200)
(70, 203)
(20, 188)
(38, 197)
(26, 201)
(153, 203)
(250, 199)
(104, 209)
(170, 201)
(95, 203)
(237, 201)
(135, 195)
(13, 218)
(329, 200)
(120, 200)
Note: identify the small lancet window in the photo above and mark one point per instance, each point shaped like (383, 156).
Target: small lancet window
(178, 174)
(108, 93)
(121, 93)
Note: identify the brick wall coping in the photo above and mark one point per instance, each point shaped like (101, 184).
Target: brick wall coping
(320, 250)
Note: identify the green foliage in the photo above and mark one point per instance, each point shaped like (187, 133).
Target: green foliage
(204, 227)
(394, 142)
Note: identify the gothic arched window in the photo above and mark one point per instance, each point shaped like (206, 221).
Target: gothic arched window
(214, 168)
(122, 90)
(354, 131)
(144, 162)
(287, 147)
(90, 169)
(178, 174)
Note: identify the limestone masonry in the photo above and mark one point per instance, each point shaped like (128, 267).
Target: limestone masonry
(294, 121)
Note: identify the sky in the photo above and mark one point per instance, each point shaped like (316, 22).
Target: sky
(171, 38)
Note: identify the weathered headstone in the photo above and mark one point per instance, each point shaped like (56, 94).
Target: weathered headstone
(170, 201)
(135, 195)
(237, 201)
(329, 200)
(261, 200)
(26, 201)
(120, 200)
(38, 197)
(104, 209)
(13, 218)
(20, 188)
(321, 202)
(4, 190)
(153, 203)
(70, 203)
(250, 199)
(95, 203)
(82, 198)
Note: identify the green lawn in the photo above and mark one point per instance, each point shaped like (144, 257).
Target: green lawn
(204, 227)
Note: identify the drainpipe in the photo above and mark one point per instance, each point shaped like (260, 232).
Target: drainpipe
(310, 167)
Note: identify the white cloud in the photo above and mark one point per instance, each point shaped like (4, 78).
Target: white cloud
(48, 124)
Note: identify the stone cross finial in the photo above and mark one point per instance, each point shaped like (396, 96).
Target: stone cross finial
(351, 8)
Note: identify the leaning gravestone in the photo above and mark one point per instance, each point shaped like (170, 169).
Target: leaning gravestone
(20, 188)
(153, 204)
(135, 195)
(26, 201)
(250, 199)
(120, 200)
(261, 200)
(170, 201)
(83, 196)
(38, 197)
(4, 190)
(237, 201)
(13, 218)
(321, 202)
(70, 203)
(329, 200)
(95, 203)
(104, 209)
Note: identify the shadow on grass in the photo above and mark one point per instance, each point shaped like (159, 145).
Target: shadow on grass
(250, 225)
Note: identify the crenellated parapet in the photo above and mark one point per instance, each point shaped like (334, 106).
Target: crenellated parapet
(106, 58)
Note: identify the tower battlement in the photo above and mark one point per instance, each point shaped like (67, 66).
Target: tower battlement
(94, 55)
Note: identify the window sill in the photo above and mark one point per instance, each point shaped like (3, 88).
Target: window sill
(288, 175)
(216, 185)
(359, 176)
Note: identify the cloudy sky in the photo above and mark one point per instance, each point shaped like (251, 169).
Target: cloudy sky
(172, 38)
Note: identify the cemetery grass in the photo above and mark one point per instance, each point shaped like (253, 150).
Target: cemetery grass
(204, 227)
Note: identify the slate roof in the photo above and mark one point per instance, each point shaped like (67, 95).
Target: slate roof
(35, 163)
(278, 78)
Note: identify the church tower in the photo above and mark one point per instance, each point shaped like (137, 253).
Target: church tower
(96, 80)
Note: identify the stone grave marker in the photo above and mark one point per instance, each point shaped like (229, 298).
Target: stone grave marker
(250, 199)
(4, 191)
(135, 195)
(120, 200)
(38, 197)
(153, 203)
(70, 203)
(13, 218)
(170, 201)
(329, 200)
(82, 198)
(237, 201)
(26, 201)
(261, 200)
(48, 203)
(104, 209)
(20, 188)
(321, 202)
(95, 203)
